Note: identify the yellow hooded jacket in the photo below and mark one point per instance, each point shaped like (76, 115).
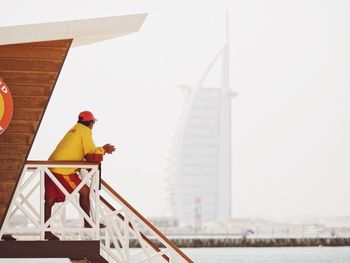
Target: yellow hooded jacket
(73, 147)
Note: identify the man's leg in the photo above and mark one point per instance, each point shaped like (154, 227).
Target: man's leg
(84, 194)
(48, 208)
(84, 200)
(52, 194)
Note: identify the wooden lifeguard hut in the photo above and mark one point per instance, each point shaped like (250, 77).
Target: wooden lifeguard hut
(31, 58)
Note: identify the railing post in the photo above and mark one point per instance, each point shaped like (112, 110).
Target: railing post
(127, 235)
(95, 180)
(81, 219)
(13, 201)
(63, 222)
(42, 203)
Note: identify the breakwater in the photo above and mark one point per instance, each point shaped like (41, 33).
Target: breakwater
(252, 242)
(261, 242)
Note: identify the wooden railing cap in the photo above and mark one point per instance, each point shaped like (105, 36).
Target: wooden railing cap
(39, 162)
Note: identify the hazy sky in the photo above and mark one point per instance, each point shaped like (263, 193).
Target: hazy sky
(290, 63)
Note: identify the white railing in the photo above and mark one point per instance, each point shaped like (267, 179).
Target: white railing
(128, 236)
(28, 202)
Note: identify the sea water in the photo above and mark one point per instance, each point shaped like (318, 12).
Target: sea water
(270, 255)
(249, 255)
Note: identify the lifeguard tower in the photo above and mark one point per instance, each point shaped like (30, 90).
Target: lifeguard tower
(31, 58)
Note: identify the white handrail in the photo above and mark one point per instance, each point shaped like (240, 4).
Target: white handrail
(31, 184)
(124, 224)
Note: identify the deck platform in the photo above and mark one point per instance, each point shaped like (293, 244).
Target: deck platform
(77, 250)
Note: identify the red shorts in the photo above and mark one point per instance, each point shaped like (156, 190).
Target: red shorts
(52, 192)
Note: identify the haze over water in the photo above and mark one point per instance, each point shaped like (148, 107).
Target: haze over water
(289, 64)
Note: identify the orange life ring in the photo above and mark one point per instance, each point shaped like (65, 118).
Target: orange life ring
(6, 106)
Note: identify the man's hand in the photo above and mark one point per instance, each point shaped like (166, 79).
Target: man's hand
(108, 148)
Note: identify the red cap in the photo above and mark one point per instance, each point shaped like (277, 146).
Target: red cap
(86, 116)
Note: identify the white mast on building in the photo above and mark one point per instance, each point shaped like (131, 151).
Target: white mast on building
(225, 160)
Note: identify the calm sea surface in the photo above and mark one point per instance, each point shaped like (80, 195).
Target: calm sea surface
(249, 255)
(270, 255)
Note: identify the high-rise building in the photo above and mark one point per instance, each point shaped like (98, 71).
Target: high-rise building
(200, 178)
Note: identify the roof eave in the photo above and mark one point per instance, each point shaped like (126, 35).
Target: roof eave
(82, 32)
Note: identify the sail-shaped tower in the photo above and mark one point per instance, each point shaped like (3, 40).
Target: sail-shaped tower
(200, 174)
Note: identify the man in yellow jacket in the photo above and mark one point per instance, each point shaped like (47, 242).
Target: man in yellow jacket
(75, 145)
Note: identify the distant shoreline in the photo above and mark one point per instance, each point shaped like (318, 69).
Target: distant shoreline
(253, 242)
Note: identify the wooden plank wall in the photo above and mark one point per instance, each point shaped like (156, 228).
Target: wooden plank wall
(30, 71)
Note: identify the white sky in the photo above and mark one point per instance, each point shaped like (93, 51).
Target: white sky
(290, 63)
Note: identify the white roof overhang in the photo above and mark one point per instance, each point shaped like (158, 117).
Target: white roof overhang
(82, 32)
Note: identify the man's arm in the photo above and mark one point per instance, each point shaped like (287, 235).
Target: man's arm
(89, 145)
